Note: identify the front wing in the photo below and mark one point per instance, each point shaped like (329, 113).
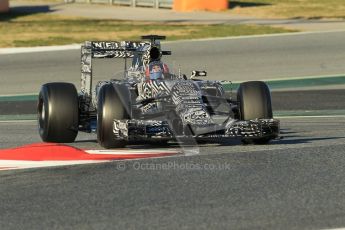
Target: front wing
(150, 129)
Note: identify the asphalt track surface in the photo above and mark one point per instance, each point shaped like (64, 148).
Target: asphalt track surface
(296, 182)
(251, 58)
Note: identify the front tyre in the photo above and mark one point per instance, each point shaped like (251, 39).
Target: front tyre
(254, 99)
(113, 104)
(58, 112)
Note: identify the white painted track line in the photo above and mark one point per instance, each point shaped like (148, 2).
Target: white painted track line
(132, 151)
(257, 36)
(316, 116)
(17, 164)
(39, 49)
(18, 121)
(334, 229)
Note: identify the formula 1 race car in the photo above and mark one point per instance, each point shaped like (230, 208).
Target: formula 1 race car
(151, 103)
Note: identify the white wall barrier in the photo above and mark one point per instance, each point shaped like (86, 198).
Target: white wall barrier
(133, 3)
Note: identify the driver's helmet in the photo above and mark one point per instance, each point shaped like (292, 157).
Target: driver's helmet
(156, 70)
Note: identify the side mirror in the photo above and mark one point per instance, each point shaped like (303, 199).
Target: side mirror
(196, 73)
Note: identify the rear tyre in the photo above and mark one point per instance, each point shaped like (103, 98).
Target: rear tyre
(113, 104)
(58, 112)
(254, 98)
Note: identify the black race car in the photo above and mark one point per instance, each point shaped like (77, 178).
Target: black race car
(147, 104)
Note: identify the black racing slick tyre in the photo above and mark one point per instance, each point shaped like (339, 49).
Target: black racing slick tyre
(113, 104)
(58, 114)
(254, 99)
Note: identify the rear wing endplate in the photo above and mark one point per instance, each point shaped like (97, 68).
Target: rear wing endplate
(104, 49)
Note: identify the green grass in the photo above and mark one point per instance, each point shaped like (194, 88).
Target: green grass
(290, 8)
(18, 30)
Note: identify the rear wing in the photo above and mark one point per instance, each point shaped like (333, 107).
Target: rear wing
(104, 49)
(146, 50)
(112, 49)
